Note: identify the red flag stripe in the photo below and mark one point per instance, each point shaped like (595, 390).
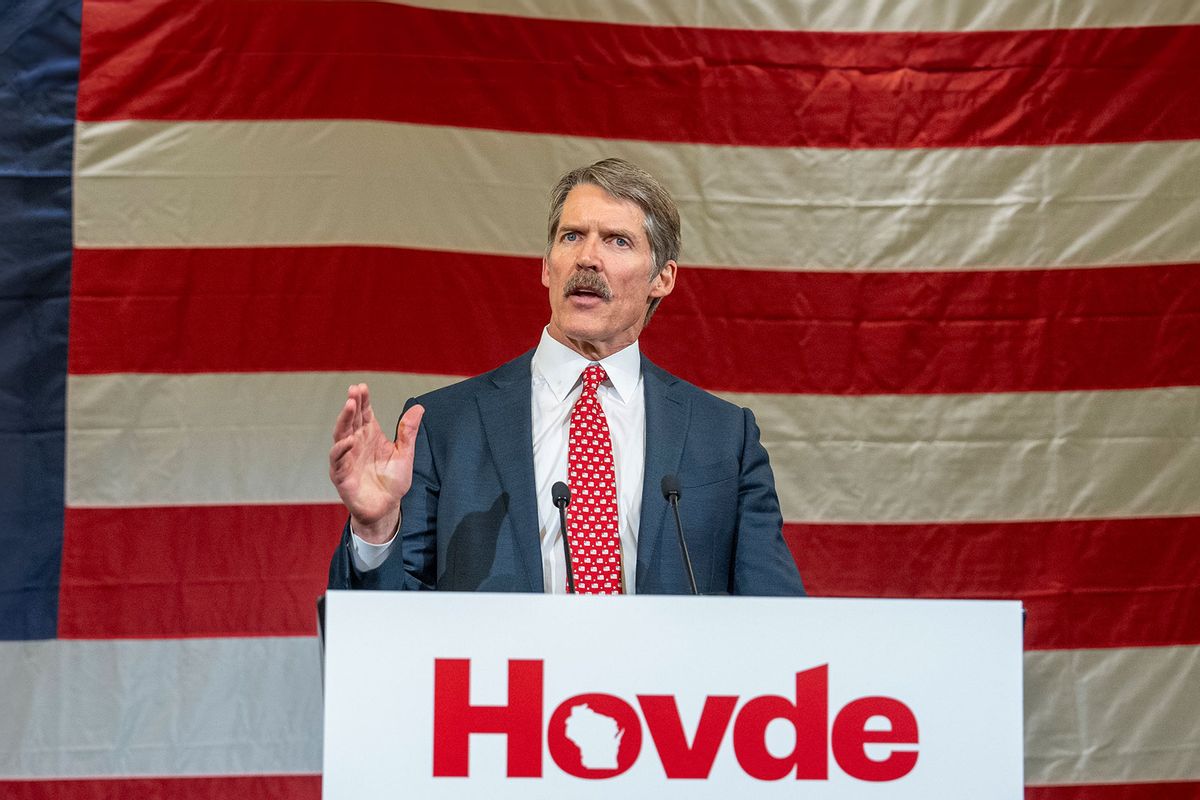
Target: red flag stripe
(153, 59)
(261, 787)
(222, 571)
(1085, 583)
(277, 309)
(1104, 583)
(308, 787)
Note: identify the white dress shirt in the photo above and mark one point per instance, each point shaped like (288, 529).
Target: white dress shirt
(555, 387)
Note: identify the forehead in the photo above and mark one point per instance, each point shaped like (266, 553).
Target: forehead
(590, 206)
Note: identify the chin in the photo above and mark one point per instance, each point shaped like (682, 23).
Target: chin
(580, 326)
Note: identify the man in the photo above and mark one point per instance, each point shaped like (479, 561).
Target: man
(462, 499)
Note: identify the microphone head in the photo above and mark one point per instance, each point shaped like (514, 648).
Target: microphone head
(561, 494)
(670, 487)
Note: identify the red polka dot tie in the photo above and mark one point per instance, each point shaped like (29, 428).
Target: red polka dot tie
(592, 516)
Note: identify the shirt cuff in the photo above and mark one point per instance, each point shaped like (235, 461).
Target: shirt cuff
(367, 556)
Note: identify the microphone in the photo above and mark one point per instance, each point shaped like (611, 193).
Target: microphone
(671, 493)
(562, 499)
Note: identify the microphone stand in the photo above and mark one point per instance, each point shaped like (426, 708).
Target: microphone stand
(562, 499)
(671, 493)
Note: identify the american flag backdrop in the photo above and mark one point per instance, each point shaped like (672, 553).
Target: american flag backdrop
(947, 250)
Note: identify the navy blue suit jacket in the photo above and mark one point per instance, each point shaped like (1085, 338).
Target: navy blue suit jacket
(470, 520)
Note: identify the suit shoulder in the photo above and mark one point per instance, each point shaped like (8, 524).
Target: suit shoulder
(701, 399)
(465, 391)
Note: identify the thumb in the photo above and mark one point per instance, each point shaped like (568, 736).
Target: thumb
(406, 426)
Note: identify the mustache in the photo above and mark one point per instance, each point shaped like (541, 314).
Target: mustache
(587, 281)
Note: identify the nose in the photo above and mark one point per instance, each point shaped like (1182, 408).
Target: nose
(588, 255)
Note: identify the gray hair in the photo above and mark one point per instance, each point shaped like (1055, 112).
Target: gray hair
(627, 181)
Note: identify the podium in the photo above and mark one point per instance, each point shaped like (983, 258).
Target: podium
(444, 695)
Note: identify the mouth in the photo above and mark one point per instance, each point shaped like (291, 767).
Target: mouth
(585, 301)
(588, 288)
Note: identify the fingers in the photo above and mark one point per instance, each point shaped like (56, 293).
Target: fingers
(406, 427)
(340, 448)
(356, 393)
(356, 413)
(344, 425)
(338, 464)
(368, 414)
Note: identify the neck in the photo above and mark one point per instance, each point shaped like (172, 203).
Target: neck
(591, 350)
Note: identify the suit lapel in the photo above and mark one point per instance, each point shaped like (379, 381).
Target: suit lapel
(666, 429)
(506, 410)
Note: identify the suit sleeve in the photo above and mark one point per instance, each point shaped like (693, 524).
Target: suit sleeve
(412, 563)
(763, 564)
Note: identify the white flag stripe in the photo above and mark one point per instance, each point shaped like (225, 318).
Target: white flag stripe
(253, 706)
(1112, 716)
(175, 707)
(143, 439)
(201, 184)
(146, 440)
(821, 15)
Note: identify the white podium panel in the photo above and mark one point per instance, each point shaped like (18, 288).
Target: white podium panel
(440, 695)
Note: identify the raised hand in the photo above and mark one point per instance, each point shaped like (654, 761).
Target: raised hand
(371, 472)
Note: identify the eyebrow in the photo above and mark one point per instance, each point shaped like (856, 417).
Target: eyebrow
(565, 227)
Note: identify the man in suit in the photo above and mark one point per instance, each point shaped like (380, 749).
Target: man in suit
(461, 499)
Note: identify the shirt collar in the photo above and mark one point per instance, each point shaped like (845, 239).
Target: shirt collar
(560, 367)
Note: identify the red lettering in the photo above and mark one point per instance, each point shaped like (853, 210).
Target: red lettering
(455, 719)
(666, 729)
(850, 734)
(808, 715)
(596, 736)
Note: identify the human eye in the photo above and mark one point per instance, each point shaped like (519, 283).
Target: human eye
(570, 236)
(621, 241)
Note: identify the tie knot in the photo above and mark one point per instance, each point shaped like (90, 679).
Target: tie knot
(593, 376)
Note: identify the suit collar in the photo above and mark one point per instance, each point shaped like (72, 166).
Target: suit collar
(667, 415)
(505, 407)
